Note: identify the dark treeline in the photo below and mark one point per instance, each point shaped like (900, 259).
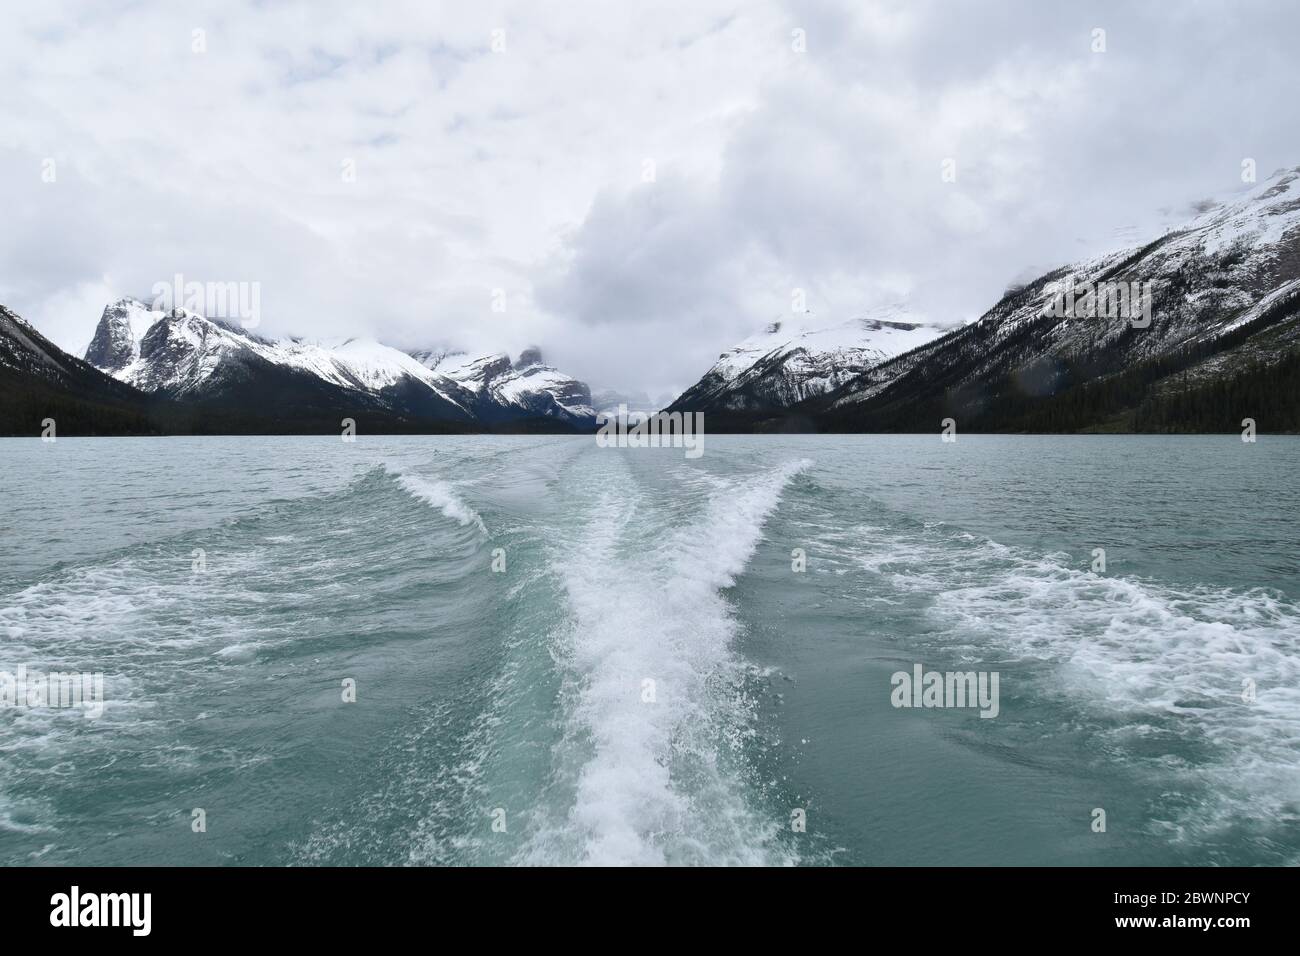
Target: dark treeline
(26, 403)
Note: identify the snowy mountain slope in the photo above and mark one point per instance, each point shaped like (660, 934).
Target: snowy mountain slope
(184, 356)
(499, 390)
(181, 355)
(40, 381)
(1224, 297)
(178, 352)
(791, 361)
(24, 350)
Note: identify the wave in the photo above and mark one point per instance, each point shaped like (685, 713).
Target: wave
(1204, 680)
(440, 495)
(654, 720)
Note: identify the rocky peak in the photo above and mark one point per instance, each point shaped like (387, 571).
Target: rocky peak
(117, 337)
(529, 356)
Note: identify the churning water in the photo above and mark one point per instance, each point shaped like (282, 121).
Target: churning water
(570, 654)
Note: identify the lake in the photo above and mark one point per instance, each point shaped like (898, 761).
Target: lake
(534, 650)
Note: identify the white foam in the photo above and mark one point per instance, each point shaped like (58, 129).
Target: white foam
(241, 653)
(442, 496)
(650, 789)
(1161, 658)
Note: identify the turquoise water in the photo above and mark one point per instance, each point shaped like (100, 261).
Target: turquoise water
(507, 716)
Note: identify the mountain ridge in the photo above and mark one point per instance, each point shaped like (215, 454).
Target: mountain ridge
(180, 355)
(1224, 294)
(793, 360)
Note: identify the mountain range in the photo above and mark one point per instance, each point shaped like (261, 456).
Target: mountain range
(1216, 340)
(1202, 331)
(177, 371)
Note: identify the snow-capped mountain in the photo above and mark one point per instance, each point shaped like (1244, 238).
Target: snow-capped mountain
(791, 361)
(182, 355)
(1224, 313)
(501, 390)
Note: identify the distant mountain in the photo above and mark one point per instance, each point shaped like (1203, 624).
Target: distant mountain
(182, 356)
(792, 361)
(176, 372)
(1223, 343)
(38, 380)
(495, 390)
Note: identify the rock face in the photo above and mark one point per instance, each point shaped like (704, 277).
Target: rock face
(184, 356)
(117, 338)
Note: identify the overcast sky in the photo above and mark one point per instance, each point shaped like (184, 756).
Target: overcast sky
(646, 182)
